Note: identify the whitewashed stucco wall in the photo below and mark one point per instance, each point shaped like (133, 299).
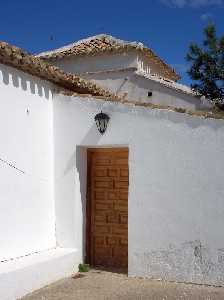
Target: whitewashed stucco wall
(176, 210)
(27, 215)
(116, 72)
(136, 88)
(108, 62)
(97, 63)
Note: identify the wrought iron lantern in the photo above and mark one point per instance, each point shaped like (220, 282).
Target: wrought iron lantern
(102, 120)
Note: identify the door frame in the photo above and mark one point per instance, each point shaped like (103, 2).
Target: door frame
(88, 254)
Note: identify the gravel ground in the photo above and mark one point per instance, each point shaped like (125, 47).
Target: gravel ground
(102, 285)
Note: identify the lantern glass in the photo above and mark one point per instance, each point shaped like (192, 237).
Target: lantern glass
(102, 120)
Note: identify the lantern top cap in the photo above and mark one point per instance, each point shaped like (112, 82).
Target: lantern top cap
(101, 116)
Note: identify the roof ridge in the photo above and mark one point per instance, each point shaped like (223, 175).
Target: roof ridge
(112, 38)
(90, 46)
(70, 45)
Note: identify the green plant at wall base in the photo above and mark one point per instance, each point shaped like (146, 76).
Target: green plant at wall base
(83, 268)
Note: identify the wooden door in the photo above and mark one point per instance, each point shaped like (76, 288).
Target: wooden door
(107, 207)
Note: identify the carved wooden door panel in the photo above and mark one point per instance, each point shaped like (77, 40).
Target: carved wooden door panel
(107, 208)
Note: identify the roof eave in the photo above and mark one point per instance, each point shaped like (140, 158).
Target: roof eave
(149, 54)
(23, 61)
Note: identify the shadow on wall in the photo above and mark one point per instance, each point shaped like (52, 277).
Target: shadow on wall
(78, 163)
(92, 138)
(26, 82)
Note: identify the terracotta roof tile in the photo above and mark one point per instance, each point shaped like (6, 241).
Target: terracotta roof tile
(22, 60)
(106, 43)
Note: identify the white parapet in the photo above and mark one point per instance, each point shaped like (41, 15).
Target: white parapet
(23, 275)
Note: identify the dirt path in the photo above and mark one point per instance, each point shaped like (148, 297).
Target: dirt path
(101, 285)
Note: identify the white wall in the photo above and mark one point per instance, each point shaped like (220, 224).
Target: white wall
(27, 218)
(176, 209)
(136, 88)
(110, 61)
(127, 82)
(98, 63)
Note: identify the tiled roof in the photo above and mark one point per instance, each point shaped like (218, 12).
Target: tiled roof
(106, 43)
(20, 59)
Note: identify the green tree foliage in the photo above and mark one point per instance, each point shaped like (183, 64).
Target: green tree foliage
(207, 66)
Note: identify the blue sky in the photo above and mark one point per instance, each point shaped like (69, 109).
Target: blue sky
(167, 26)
